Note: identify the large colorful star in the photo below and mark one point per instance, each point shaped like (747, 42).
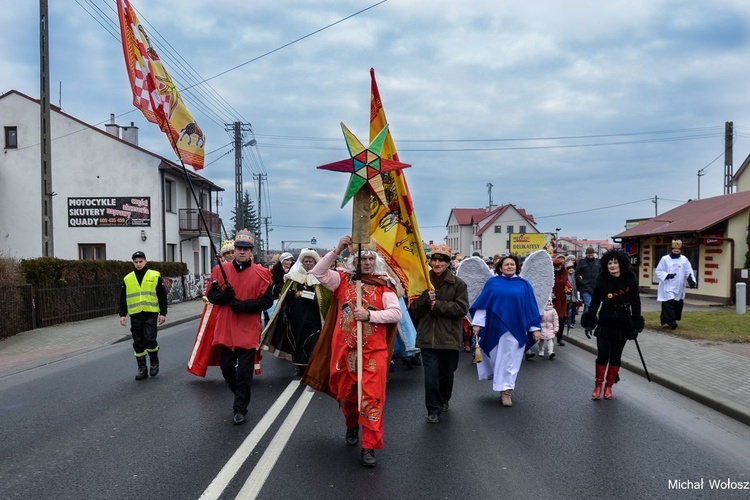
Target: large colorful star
(365, 165)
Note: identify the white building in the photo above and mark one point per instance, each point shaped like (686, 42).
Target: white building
(110, 197)
(487, 230)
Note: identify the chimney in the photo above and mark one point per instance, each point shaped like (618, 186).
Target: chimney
(130, 134)
(112, 128)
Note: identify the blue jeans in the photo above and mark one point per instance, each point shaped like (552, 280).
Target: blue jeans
(586, 296)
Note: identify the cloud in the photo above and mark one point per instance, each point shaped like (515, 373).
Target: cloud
(566, 107)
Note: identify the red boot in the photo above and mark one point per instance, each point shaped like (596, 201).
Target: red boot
(598, 381)
(611, 380)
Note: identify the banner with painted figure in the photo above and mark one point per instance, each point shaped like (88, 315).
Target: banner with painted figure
(394, 227)
(154, 91)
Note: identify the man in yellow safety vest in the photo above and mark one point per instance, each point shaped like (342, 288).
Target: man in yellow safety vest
(144, 298)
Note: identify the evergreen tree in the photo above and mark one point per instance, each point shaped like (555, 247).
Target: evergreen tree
(249, 218)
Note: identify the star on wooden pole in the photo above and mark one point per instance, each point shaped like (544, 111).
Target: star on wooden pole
(365, 165)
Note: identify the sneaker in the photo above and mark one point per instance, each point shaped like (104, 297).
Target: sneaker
(238, 419)
(541, 354)
(529, 355)
(551, 356)
(432, 418)
(368, 457)
(352, 436)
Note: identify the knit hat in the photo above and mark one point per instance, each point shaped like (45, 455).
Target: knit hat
(558, 261)
(676, 243)
(226, 246)
(244, 239)
(441, 249)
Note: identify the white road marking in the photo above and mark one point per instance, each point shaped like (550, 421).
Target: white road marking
(220, 482)
(262, 470)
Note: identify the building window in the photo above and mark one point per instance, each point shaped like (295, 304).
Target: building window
(498, 229)
(92, 251)
(169, 192)
(171, 251)
(522, 229)
(510, 229)
(11, 138)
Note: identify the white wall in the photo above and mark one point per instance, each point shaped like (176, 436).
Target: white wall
(85, 163)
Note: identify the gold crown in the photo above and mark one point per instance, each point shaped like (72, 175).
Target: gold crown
(226, 246)
(244, 238)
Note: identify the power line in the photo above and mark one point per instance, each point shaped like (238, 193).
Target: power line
(291, 43)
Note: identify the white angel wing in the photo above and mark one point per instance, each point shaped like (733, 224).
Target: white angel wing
(537, 269)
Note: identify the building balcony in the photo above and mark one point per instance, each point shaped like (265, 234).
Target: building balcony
(190, 222)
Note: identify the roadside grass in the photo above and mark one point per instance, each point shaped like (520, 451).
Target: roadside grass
(722, 325)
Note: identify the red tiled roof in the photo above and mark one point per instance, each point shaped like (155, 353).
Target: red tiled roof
(465, 216)
(693, 216)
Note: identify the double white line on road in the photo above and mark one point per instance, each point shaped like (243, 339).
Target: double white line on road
(261, 471)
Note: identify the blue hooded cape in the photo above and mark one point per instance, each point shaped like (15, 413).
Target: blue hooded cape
(511, 307)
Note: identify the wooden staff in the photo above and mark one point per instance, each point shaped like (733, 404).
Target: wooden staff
(360, 235)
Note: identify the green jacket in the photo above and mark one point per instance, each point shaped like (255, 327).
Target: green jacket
(441, 327)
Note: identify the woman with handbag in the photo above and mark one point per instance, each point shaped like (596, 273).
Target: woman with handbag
(618, 303)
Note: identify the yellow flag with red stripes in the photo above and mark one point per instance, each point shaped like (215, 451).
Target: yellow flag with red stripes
(394, 226)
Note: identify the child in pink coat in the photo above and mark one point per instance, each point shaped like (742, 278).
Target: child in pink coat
(550, 324)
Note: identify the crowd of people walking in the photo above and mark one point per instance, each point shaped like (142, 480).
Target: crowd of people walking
(335, 319)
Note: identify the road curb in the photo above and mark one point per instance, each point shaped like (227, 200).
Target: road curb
(724, 406)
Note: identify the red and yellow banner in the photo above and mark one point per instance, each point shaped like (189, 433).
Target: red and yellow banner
(154, 92)
(394, 227)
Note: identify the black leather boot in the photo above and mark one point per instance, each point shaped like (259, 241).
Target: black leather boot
(142, 373)
(154, 361)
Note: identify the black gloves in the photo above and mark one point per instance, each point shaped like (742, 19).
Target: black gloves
(638, 323)
(239, 306)
(691, 282)
(670, 276)
(218, 296)
(589, 321)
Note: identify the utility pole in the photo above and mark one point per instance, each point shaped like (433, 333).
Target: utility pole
(48, 239)
(238, 129)
(655, 201)
(728, 168)
(260, 178)
(268, 244)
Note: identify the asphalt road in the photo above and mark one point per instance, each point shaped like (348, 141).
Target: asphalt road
(83, 428)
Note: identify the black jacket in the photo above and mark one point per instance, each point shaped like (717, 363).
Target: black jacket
(619, 299)
(586, 273)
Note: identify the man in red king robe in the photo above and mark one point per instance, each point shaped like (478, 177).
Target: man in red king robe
(333, 364)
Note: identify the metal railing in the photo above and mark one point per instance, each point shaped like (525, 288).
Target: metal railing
(190, 221)
(23, 307)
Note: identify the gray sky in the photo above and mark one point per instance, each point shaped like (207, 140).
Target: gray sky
(579, 112)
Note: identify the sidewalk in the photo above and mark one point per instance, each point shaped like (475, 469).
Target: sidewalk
(712, 373)
(43, 346)
(716, 374)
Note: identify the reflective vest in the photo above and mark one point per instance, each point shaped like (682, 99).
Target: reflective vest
(142, 297)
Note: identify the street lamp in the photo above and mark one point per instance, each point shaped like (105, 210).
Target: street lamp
(557, 243)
